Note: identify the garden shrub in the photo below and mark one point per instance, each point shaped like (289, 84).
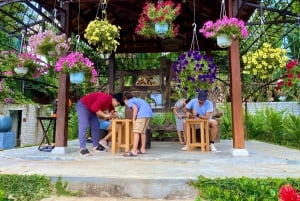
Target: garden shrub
(237, 189)
(25, 187)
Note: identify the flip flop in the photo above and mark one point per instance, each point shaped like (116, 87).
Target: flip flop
(130, 154)
(139, 152)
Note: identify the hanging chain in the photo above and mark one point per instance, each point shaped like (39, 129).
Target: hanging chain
(78, 23)
(194, 39)
(103, 9)
(103, 6)
(262, 24)
(22, 40)
(223, 9)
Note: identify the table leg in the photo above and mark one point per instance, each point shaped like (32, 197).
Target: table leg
(113, 137)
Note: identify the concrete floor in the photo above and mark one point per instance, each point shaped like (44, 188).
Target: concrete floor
(162, 173)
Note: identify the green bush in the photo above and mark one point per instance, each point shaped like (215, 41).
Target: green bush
(250, 189)
(25, 187)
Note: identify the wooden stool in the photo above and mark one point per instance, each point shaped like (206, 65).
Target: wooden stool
(191, 139)
(121, 135)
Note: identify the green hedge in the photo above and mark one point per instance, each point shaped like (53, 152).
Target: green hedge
(24, 187)
(248, 189)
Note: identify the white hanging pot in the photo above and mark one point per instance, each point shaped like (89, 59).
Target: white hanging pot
(77, 77)
(21, 70)
(161, 29)
(223, 41)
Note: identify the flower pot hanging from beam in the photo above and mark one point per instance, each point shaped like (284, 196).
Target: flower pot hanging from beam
(161, 29)
(21, 70)
(223, 41)
(77, 77)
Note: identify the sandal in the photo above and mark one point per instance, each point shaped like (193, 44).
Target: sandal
(129, 154)
(139, 152)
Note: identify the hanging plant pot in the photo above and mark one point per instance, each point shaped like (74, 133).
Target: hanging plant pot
(5, 123)
(77, 77)
(223, 41)
(161, 29)
(21, 70)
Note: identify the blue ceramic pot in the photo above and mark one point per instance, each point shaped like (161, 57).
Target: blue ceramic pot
(77, 77)
(5, 123)
(161, 28)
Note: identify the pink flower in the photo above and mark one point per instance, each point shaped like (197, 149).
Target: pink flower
(232, 27)
(75, 62)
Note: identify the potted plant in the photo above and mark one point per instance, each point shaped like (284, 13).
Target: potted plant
(49, 44)
(157, 20)
(77, 65)
(28, 62)
(194, 72)
(263, 61)
(290, 83)
(225, 29)
(103, 35)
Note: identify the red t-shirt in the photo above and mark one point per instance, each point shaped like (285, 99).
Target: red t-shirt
(97, 101)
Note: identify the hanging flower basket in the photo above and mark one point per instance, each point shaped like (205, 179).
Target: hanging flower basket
(161, 14)
(289, 85)
(232, 27)
(194, 72)
(103, 35)
(76, 62)
(49, 44)
(264, 61)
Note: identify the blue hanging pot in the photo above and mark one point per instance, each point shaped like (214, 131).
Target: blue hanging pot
(77, 77)
(161, 29)
(5, 123)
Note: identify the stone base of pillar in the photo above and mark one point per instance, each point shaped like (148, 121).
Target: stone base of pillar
(61, 150)
(239, 152)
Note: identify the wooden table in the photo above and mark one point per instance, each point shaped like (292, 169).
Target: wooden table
(190, 130)
(122, 136)
(43, 121)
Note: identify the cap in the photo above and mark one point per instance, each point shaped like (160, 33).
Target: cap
(202, 95)
(119, 98)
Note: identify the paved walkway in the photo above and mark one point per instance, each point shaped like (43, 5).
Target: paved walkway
(163, 172)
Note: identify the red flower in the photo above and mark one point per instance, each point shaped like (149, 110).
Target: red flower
(288, 193)
(290, 76)
(291, 64)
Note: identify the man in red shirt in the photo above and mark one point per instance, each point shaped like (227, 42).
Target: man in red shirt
(89, 108)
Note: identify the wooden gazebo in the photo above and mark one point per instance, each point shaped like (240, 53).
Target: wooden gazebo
(74, 15)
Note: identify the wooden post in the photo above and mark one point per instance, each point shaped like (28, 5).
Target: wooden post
(236, 91)
(61, 134)
(111, 73)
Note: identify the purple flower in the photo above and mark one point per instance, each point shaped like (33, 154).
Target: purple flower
(194, 71)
